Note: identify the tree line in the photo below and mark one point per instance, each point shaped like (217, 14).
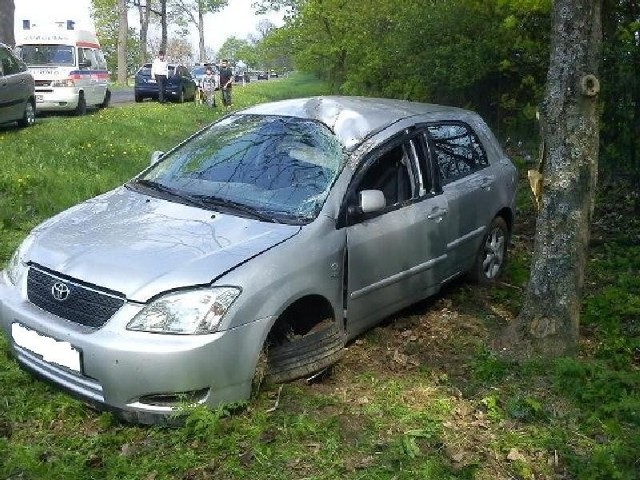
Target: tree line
(488, 55)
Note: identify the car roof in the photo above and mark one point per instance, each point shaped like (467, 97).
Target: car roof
(352, 118)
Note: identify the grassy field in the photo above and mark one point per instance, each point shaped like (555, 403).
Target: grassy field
(420, 396)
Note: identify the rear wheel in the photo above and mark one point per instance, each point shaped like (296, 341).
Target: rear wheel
(138, 98)
(29, 116)
(492, 254)
(81, 109)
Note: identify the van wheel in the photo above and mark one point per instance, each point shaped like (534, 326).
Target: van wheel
(492, 254)
(81, 109)
(29, 116)
(107, 99)
(303, 355)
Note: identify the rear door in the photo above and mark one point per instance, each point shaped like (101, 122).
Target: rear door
(14, 86)
(467, 183)
(394, 256)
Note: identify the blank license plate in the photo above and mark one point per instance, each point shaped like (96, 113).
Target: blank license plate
(39, 98)
(50, 349)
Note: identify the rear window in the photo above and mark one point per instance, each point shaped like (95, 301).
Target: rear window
(145, 70)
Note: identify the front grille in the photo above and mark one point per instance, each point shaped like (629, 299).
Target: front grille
(43, 83)
(82, 304)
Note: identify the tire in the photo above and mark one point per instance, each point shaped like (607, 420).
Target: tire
(492, 254)
(138, 98)
(107, 99)
(81, 109)
(29, 116)
(305, 355)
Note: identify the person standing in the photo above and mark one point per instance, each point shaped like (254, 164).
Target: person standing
(226, 81)
(208, 86)
(160, 72)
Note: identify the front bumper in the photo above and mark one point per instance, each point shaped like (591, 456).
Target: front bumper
(141, 376)
(58, 100)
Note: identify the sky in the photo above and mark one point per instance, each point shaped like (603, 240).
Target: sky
(237, 19)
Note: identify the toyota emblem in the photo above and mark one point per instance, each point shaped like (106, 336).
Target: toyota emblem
(60, 291)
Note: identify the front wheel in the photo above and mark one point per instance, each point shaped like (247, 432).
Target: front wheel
(304, 355)
(492, 254)
(107, 99)
(29, 116)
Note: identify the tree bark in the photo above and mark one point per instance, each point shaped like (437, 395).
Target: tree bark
(548, 325)
(163, 23)
(123, 35)
(144, 13)
(201, 50)
(7, 11)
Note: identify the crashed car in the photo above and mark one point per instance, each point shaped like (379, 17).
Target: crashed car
(255, 249)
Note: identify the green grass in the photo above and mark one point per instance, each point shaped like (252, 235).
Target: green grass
(421, 396)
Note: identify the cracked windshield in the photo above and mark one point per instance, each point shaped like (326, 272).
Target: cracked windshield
(278, 166)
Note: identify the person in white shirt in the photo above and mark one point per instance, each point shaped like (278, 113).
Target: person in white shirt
(160, 72)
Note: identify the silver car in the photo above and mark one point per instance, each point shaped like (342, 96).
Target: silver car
(255, 249)
(17, 87)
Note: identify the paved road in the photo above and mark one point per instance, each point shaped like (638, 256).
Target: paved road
(122, 95)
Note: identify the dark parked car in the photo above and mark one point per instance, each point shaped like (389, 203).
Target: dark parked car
(257, 247)
(198, 71)
(263, 76)
(17, 97)
(180, 85)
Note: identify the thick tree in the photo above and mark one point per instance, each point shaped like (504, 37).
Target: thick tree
(548, 324)
(123, 36)
(7, 10)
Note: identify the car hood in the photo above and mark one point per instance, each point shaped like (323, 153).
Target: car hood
(140, 246)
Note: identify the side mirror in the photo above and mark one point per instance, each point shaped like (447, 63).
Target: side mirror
(84, 64)
(155, 157)
(372, 201)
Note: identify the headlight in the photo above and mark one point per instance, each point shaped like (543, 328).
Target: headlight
(194, 312)
(16, 267)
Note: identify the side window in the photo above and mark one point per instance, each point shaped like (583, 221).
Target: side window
(100, 60)
(86, 59)
(9, 65)
(457, 149)
(394, 173)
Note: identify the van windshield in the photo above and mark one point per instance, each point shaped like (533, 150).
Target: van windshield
(49, 55)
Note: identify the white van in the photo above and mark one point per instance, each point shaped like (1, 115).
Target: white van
(68, 66)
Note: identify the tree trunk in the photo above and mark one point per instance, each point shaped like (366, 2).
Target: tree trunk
(163, 22)
(7, 10)
(548, 324)
(144, 13)
(123, 35)
(202, 53)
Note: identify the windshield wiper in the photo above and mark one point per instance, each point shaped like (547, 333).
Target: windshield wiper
(159, 187)
(237, 206)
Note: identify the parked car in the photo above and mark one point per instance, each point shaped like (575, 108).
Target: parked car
(198, 71)
(255, 249)
(263, 76)
(273, 74)
(17, 90)
(180, 85)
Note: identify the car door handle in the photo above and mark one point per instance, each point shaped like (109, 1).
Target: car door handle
(437, 213)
